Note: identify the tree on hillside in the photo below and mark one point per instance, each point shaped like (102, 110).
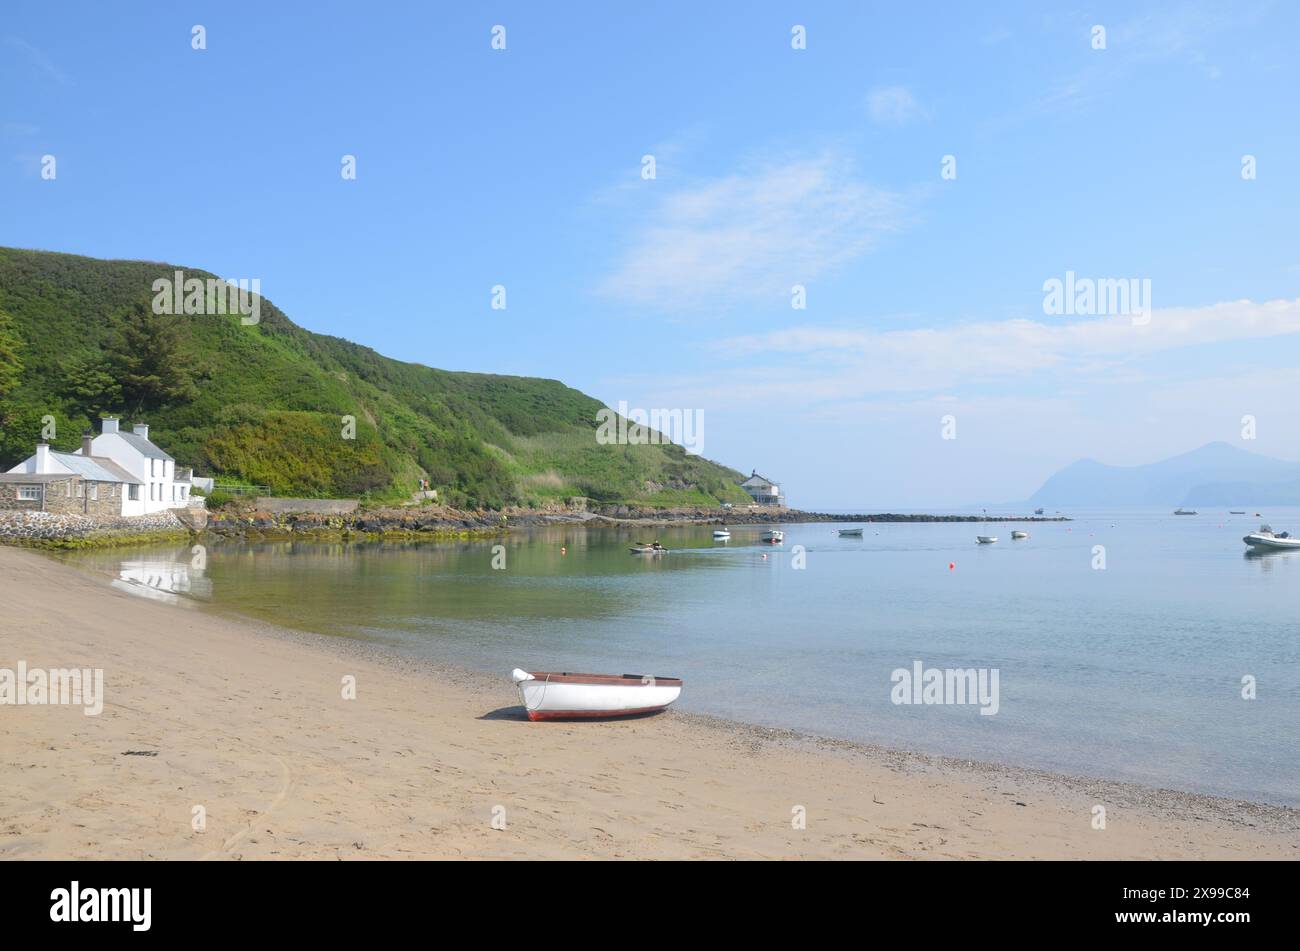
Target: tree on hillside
(151, 361)
(90, 381)
(11, 367)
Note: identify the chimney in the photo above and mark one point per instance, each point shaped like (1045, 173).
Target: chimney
(108, 425)
(42, 458)
(141, 430)
(87, 440)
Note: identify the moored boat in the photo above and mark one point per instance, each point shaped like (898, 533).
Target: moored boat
(550, 695)
(721, 534)
(986, 539)
(1019, 534)
(851, 532)
(1181, 511)
(1265, 538)
(644, 549)
(772, 536)
(1038, 511)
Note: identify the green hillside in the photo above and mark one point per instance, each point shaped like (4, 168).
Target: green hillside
(264, 404)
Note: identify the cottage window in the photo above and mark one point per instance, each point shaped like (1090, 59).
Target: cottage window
(133, 493)
(29, 493)
(94, 491)
(81, 489)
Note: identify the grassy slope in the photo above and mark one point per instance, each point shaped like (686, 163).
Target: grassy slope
(271, 398)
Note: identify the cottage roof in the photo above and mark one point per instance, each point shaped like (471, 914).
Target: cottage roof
(95, 468)
(755, 476)
(142, 445)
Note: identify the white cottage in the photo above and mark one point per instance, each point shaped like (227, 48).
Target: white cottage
(162, 485)
(763, 490)
(80, 482)
(120, 466)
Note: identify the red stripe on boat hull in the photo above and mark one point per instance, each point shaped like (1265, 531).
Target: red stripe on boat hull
(588, 714)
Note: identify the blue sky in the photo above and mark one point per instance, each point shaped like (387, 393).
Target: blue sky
(774, 167)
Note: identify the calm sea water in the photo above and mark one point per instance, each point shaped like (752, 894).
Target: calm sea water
(1133, 671)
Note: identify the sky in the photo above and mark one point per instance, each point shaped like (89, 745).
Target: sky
(922, 171)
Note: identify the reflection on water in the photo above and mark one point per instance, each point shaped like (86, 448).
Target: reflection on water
(1132, 671)
(164, 574)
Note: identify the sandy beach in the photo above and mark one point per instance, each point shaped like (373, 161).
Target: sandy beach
(247, 729)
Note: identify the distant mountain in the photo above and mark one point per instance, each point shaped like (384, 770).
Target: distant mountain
(1215, 474)
(266, 404)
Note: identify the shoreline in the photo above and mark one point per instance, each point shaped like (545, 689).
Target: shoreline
(247, 720)
(43, 531)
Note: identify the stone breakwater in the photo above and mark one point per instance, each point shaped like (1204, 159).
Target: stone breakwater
(773, 516)
(49, 527)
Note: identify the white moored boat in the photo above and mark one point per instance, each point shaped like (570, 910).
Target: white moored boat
(721, 534)
(772, 536)
(556, 696)
(1018, 535)
(1264, 538)
(986, 539)
(851, 532)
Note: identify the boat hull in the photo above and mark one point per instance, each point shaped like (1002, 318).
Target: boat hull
(561, 696)
(1271, 543)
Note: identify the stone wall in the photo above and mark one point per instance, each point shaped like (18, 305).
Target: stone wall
(309, 506)
(55, 525)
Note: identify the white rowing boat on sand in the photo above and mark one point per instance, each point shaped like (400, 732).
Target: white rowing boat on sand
(1266, 539)
(562, 695)
(986, 539)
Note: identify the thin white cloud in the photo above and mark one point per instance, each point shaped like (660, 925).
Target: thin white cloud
(752, 234)
(806, 366)
(894, 105)
(1016, 347)
(39, 60)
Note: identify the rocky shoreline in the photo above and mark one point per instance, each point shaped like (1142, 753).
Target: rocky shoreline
(45, 529)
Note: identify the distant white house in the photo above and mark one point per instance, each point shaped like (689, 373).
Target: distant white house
(763, 490)
(121, 471)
